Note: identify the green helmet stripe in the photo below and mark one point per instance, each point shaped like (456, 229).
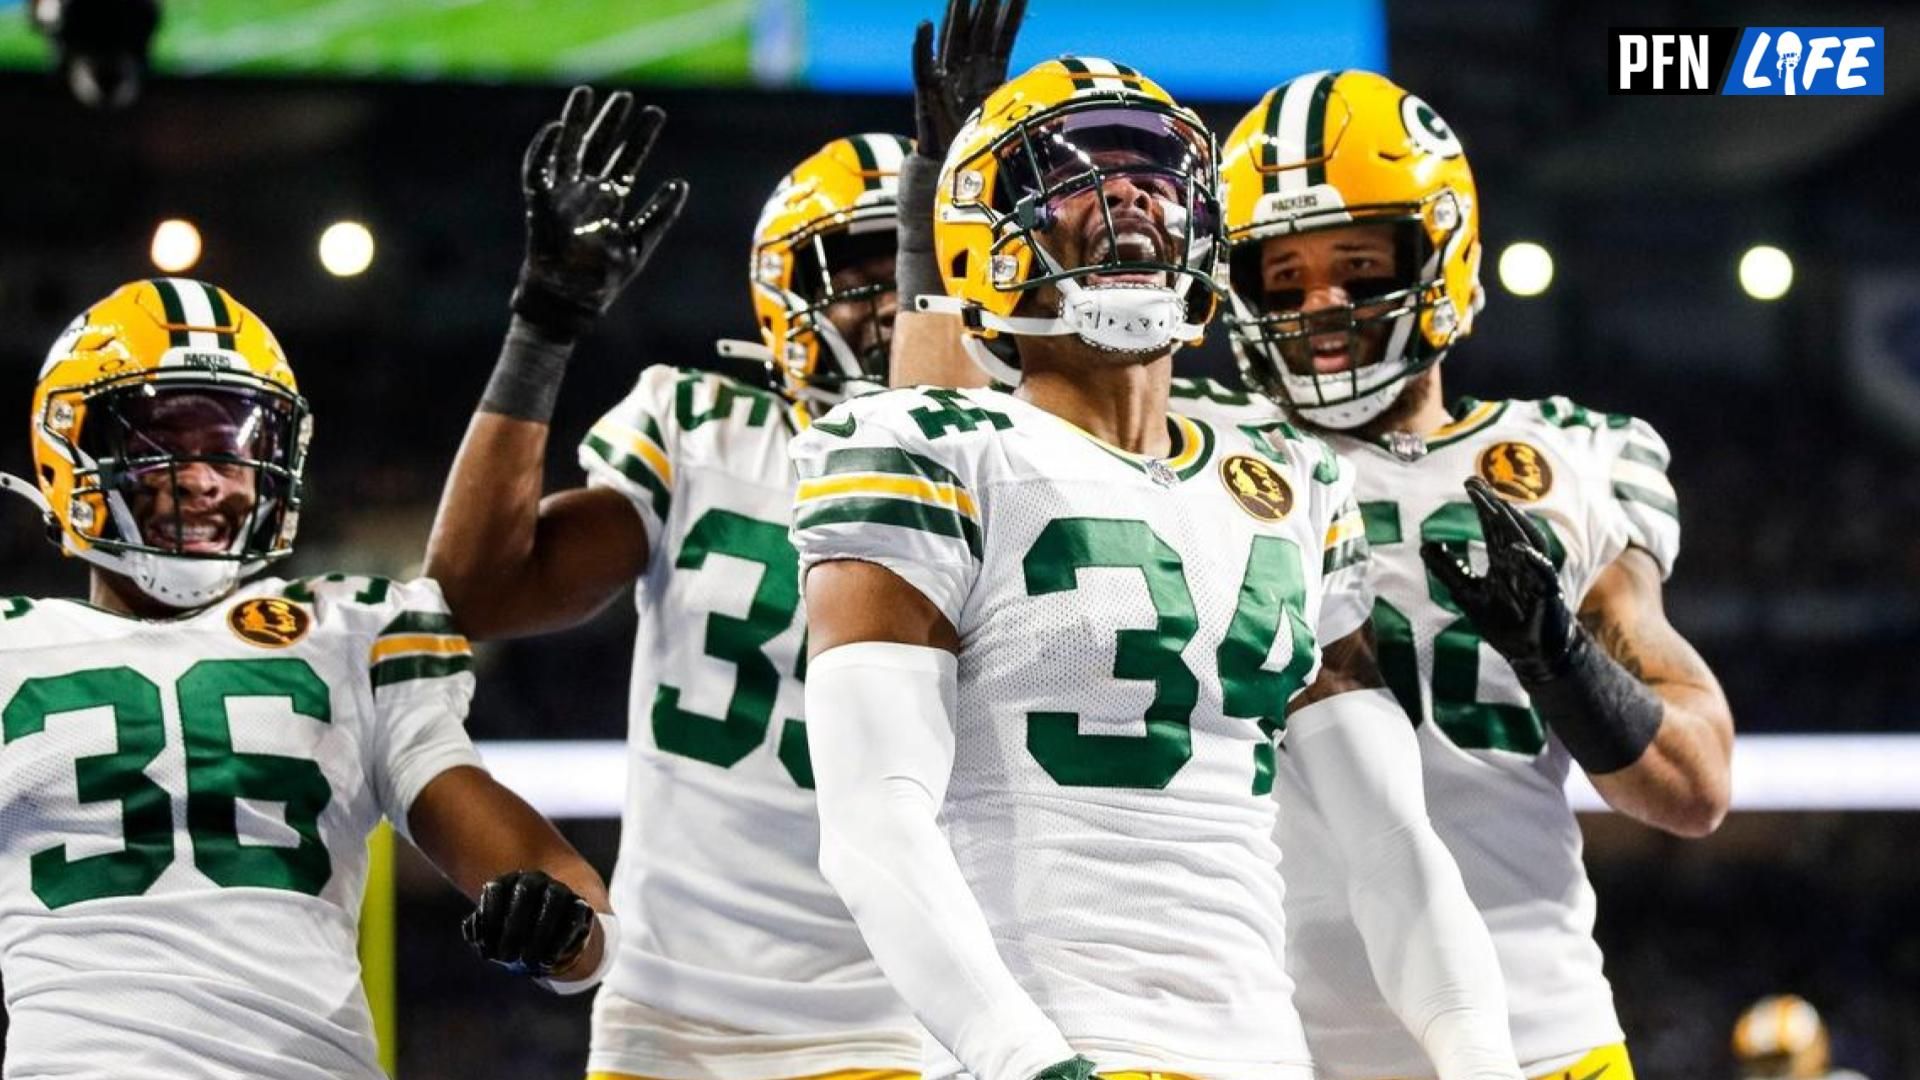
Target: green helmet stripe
(176, 311)
(221, 317)
(1317, 130)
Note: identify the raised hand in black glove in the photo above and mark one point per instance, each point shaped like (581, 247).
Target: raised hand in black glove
(588, 232)
(528, 923)
(1517, 606)
(951, 78)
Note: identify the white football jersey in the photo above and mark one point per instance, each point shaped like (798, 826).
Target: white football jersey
(187, 810)
(725, 919)
(1494, 774)
(1131, 630)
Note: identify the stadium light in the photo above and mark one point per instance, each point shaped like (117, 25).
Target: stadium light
(1766, 272)
(1526, 268)
(176, 246)
(346, 248)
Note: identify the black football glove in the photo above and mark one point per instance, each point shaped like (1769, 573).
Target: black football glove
(1074, 1068)
(1517, 606)
(952, 77)
(588, 231)
(528, 923)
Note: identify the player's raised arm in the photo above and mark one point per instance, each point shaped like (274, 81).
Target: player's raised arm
(951, 77)
(509, 561)
(1634, 703)
(1427, 945)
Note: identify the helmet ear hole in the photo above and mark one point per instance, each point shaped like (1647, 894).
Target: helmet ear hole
(46, 474)
(959, 267)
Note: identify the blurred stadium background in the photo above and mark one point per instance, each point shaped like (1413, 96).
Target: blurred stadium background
(1795, 421)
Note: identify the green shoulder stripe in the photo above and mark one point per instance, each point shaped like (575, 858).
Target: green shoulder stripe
(12, 607)
(1644, 454)
(883, 459)
(408, 668)
(634, 467)
(878, 510)
(420, 622)
(1656, 500)
(1345, 554)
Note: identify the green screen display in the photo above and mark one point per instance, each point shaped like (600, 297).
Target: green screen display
(697, 41)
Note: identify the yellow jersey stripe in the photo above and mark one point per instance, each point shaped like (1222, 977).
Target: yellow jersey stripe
(639, 445)
(913, 487)
(433, 644)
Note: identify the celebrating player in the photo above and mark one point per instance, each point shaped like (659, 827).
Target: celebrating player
(1055, 634)
(191, 765)
(1355, 253)
(740, 962)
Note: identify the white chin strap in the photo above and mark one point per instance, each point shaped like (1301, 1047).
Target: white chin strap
(1351, 413)
(175, 582)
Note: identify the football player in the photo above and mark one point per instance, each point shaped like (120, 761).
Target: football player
(740, 962)
(1519, 617)
(191, 764)
(1056, 633)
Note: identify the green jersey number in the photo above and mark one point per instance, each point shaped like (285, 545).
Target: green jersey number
(1273, 589)
(217, 776)
(724, 741)
(1471, 724)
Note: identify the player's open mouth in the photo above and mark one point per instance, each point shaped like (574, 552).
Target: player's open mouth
(1330, 353)
(210, 536)
(1131, 245)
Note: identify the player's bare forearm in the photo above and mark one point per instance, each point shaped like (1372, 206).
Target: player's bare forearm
(1682, 783)
(1346, 664)
(927, 351)
(473, 828)
(511, 563)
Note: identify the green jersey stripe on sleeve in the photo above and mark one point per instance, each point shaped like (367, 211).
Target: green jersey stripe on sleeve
(883, 459)
(633, 467)
(886, 511)
(1656, 500)
(420, 622)
(1644, 455)
(408, 668)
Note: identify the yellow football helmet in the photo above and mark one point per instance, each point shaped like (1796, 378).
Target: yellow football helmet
(1065, 128)
(1781, 1035)
(1331, 149)
(835, 211)
(169, 439)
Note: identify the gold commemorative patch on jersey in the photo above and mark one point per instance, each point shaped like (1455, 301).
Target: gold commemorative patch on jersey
(1517, 470)
(1257, 486)
(269, 622)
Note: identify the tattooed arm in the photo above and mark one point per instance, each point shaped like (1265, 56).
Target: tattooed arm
(1682, 783)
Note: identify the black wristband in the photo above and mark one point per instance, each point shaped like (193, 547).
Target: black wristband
(558, 318)
(916, 270)
(1603, 714)
(526, 380)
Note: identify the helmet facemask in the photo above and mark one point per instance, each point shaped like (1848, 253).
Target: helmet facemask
(842, 301)
(1277, 341)
(1114, 207)
(185, 485)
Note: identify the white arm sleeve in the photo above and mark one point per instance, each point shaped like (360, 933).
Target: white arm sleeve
(880, 733)
(1429, 950)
